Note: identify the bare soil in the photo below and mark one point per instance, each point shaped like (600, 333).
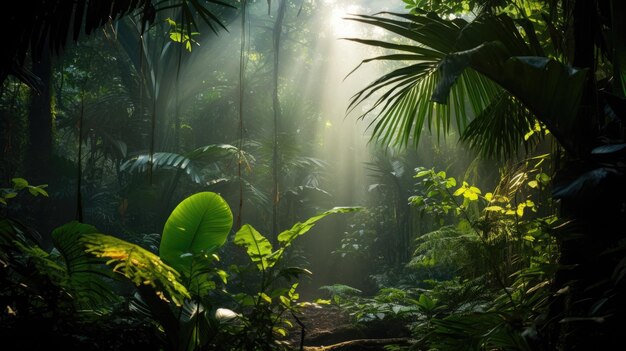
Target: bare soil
(329, 328)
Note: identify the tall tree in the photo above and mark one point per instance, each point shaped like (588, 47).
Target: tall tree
(39, 150)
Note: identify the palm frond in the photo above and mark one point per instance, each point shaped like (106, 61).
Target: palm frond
(161, 161)
(138, 265)
(403, 106)
(213, 152)
(499, 131)
(465, 68)
(188, 163)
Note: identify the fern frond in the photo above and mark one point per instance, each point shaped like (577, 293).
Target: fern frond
(138, 265)
(86, 277)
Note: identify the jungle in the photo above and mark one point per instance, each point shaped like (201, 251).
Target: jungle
(433, 175)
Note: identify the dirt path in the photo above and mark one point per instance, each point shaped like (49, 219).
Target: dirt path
(328, 328)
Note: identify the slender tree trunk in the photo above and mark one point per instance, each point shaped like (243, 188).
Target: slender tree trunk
(242, 75)
(38, 167)
(278, 28)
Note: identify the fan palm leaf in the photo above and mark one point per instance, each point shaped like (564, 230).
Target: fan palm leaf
(403, 105)
(471, 69)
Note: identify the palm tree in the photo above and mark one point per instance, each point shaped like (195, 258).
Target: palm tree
(517, 64)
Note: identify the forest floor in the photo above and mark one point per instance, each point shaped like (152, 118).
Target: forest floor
(328, 328)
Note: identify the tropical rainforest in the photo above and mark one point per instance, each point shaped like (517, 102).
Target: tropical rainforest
(313, 175)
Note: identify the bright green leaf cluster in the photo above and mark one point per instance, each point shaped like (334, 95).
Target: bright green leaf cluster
(180, 34)
(260, 249)
(468, 192)
(20, 184)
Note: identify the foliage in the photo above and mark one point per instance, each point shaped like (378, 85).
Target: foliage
(199, 225)
(179, 299)
(61, 292)
(60, 22)
(178, 34)
(21, 184)
(486, 265)
(489, 47)
(269, 303)
(137, 264)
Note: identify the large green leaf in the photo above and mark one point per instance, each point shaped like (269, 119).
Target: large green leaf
(257, 246)
(285, 238)
(199, 224)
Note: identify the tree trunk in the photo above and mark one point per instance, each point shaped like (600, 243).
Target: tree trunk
(38, 162)
(39, 149)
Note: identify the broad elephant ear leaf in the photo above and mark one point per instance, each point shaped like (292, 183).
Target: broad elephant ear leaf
(198, 225)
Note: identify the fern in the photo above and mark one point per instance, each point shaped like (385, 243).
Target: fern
(44, 263)
(138, 265)
(341, 290)
(446, 246)
(85, 274)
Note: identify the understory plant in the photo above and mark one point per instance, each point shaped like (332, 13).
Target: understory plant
(481, 274)
(182, 292)
(490, 262)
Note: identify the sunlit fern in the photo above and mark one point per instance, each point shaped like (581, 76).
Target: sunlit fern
(138, 265)
(77, 275)
(447, 246)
